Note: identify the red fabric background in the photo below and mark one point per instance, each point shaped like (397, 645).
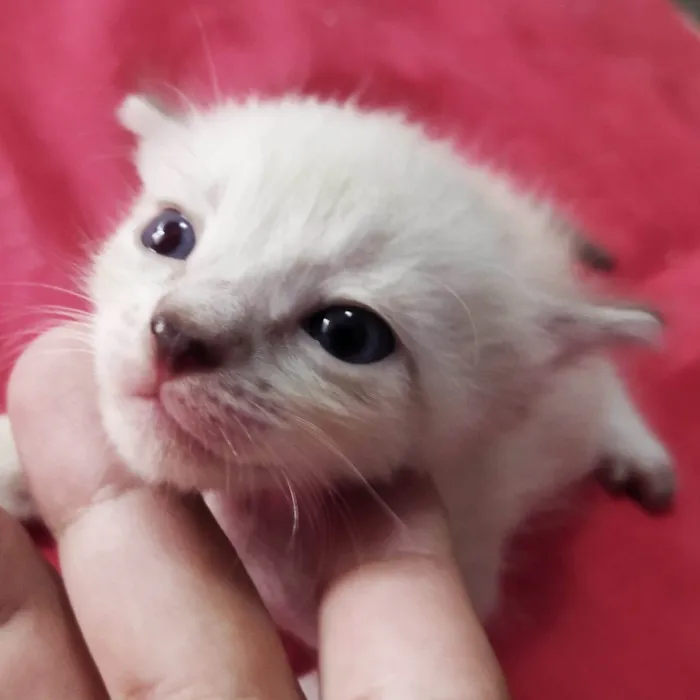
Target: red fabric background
(597, 101)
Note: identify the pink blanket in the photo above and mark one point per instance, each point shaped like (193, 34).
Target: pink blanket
(595, 101)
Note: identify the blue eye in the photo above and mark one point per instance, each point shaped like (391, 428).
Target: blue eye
(351, 334)
(170, 234)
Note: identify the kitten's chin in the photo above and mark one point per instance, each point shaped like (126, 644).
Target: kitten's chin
(163, 441)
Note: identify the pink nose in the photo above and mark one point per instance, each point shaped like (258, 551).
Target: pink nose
(182, 348)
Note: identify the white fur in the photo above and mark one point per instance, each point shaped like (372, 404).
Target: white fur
(499, 387)
(310, 686)
(14, 496)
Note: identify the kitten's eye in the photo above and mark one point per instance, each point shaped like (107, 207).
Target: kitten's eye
(169, 234)
(351, 334)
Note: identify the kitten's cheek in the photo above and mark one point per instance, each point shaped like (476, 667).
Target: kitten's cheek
(122, 343)
(137, 444)
(122, 432)
(125, 367)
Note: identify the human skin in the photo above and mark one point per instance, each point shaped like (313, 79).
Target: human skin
(155, 604)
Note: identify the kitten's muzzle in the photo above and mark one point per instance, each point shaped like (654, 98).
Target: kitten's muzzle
(182, 347)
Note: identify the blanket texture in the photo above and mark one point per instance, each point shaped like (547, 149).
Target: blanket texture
(596, 102)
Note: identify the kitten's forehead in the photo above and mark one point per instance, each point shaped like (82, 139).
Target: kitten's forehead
(277, 184)
(297, 195)
(310, 158)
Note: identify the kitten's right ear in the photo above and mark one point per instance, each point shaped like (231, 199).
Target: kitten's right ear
(580, 328)
(142, 115)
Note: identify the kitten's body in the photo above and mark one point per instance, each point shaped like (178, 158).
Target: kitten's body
(499, 387)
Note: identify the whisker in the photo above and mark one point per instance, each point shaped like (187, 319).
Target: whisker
(46, 314)
(208, 55)
(51, 287)
(295, 513)
(339, 501)
(227, 465)
(14, 342)
(326, 441)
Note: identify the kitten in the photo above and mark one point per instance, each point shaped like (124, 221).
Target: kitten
(308, 294)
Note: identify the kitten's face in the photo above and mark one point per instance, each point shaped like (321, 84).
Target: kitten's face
(343, 299)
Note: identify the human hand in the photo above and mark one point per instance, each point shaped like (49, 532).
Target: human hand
(154, 602)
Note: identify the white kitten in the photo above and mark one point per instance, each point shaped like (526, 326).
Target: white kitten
(305, 293)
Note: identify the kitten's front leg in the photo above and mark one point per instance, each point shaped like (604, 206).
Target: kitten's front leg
(634, 461)
(311, 686)
(14, 492)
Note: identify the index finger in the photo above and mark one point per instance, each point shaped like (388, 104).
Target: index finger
(163, 603)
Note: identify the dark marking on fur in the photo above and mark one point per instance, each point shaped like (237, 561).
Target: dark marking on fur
(595, 257)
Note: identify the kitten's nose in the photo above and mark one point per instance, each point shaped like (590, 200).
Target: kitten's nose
(181, 346)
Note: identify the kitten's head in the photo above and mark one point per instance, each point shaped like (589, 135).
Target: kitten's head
(304, 291)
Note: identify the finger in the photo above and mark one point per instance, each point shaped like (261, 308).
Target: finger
(396, 622)
(164, 605)
(42, 654)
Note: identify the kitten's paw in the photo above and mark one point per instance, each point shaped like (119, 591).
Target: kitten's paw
(14, 491)
(310, 686)
(633, 461)
(650, 479)
(15, 497)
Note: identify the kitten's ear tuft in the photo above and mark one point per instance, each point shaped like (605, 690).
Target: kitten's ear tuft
(581, 328)
(142, 115)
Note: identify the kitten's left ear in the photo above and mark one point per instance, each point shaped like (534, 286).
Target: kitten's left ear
(580, 328)
(142, 115)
